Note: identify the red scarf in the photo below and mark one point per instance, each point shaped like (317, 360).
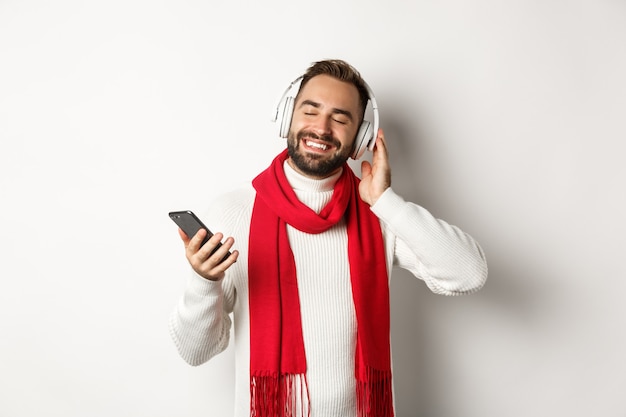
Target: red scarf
(278, 383)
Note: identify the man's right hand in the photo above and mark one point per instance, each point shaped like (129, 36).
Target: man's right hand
(207, 265)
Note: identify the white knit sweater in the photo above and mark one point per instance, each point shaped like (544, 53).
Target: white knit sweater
(449, 261)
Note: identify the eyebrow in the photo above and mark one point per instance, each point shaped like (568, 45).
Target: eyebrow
(334, 110)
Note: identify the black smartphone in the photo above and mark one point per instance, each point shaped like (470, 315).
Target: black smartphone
(190, 224)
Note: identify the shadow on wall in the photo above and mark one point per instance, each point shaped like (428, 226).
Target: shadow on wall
(419, 386)
(411, 373)
(408, 295)
(507, 293)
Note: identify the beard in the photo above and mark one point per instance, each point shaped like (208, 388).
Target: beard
(315, 165)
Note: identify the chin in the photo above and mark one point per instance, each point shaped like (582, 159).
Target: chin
(314, 165)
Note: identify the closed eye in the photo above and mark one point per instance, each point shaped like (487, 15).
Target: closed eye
(311, 108)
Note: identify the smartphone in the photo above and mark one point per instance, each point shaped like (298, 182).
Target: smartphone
(190, 224)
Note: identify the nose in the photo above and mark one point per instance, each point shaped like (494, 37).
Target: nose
(322, 125)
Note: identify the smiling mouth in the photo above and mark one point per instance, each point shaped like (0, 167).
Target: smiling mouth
(316, 145)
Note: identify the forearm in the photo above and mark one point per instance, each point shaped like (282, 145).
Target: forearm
(449, 261)
(200, 324)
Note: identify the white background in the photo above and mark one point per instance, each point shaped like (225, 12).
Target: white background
(505, 118)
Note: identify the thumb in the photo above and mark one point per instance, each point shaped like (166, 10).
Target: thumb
(186, 239)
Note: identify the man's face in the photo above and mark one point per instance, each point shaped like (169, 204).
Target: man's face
(325, 122)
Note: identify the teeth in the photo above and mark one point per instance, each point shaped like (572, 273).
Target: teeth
(317, 145)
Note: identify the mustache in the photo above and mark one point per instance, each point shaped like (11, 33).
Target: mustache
(324, 138)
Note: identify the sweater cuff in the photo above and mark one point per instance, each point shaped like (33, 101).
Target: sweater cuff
(388, 204)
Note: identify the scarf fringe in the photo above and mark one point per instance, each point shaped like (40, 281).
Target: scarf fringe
(375, 394)
(272, 395)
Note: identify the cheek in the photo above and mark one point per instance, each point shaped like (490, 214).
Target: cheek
(348, 136)
(296, 123)
(298, 118)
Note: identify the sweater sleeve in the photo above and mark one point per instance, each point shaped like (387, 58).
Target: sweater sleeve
(448, 260)
(200, 323)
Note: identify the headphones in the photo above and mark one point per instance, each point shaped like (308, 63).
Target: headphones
(364, 138)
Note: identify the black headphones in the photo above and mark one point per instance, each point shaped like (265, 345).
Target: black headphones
(364, 138)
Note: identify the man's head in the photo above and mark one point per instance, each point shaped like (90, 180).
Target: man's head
(328, 111)
(342, 71)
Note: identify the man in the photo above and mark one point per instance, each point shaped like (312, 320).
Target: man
(308, 283)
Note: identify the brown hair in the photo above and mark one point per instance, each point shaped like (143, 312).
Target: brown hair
(342, 71)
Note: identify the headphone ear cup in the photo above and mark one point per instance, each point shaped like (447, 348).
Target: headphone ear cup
(363, 138)
(284, 117)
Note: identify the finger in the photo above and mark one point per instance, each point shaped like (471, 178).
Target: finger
(379, 134)
(206, 249)
(225, 247)
(366, 169)
(215, 265)
(196, 241)
(381, 145)
(218, 272)
(183, 237)
(220, 264)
